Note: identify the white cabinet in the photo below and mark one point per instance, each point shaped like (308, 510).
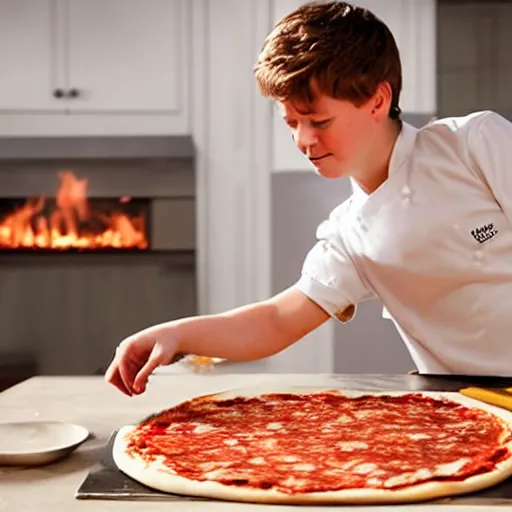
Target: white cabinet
(91, 66)
(124, 55)
(27, 55)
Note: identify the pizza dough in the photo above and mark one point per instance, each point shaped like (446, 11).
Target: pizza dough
(364, 436)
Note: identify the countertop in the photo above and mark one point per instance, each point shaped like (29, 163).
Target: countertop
(90, 402)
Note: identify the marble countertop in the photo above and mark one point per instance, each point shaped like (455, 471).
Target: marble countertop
(90, 402)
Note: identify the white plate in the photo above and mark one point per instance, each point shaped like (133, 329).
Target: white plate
(30, 443)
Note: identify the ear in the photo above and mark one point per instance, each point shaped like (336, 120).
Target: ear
(381, 101)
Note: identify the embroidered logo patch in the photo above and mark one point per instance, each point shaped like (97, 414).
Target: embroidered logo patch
(484, 233)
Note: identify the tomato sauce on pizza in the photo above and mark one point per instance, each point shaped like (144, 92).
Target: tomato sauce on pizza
(322, 441)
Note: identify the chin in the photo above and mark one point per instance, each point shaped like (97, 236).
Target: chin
(329, 173)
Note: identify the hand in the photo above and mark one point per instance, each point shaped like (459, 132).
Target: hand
(136, 358)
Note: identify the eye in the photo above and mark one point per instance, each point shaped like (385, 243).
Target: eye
(291, 123)
(321, 124)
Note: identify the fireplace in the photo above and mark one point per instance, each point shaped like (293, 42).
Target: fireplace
(71, 221)
(96, 242)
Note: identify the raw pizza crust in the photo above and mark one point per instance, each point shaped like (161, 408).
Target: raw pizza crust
(158, 476)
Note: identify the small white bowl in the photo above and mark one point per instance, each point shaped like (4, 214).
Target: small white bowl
(33, 443)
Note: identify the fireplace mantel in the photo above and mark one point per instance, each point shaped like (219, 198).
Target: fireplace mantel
(153, 178)
(147, 147)
(146, 166)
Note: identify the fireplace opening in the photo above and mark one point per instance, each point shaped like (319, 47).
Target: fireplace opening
(71, 221)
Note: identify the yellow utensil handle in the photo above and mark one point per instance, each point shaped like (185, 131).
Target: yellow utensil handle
(501, 398)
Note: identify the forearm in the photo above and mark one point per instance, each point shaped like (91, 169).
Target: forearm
(249, 332)
(243, 334)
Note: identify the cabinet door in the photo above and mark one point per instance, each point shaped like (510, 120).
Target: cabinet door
(29, 70)
(125, 55)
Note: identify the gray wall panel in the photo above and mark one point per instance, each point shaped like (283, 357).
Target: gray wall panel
(72, 311)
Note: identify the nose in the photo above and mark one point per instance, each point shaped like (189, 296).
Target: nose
(304, 137)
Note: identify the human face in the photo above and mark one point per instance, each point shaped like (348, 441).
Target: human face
(336, 135)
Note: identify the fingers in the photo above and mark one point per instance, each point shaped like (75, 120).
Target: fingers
(155, 359)
(128, 369)
(135, 360)
(114, 373)
(115, 379)
(112, 376)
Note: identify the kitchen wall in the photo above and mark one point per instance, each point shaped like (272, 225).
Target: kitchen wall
(474, 64)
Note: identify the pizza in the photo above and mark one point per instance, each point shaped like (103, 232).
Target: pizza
(319, 446)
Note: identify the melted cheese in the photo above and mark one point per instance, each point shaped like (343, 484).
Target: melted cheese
(257, 461)
(290, 458)
(406, 478)
(351, 446)
(418, 436)
(304, 467)
(269, 443)
(203, 428)
(451, 468)
(365, 468)
(344, 418)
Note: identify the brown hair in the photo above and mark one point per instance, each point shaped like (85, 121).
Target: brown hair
(345, 50)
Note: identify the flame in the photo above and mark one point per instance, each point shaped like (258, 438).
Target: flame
(28, 227)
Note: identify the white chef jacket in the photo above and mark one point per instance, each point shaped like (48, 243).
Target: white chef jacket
(433, 243)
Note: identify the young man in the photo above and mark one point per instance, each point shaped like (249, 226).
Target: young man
(428, 229)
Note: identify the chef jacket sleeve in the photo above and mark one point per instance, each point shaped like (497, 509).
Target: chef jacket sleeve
(489, 146)
(329, 276)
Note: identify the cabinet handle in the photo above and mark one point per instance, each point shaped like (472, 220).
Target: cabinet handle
(58, 93)
(73, 93)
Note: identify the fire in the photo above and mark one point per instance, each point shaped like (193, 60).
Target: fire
(69, 224)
